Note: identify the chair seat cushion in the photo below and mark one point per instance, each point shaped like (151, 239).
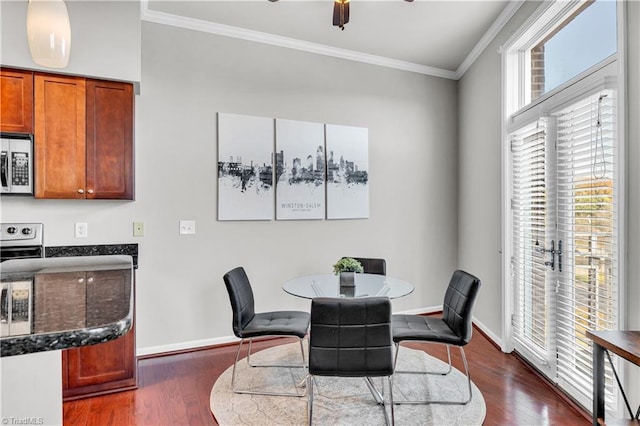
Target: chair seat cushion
(278, 323)
(416, 327)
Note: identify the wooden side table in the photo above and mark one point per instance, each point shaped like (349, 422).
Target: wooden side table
(624, 343)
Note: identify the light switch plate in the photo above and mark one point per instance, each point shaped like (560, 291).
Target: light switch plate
(187, 227)
(82, 229)
(138, 229)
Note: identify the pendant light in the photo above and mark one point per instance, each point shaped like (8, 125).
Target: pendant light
(49, 32)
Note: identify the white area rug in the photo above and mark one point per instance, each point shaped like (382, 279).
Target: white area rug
(342, 401)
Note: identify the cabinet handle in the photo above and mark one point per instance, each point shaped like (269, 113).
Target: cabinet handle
(90, 279)
(90, 191)
(81, 191)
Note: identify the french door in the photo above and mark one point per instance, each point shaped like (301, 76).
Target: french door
(564, 254)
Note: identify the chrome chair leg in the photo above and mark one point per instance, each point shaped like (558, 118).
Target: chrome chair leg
(441, 373)
(310, 398)
(378, 396)
(382, 404)
(303, 365)
(391, 404)
(244, 391)
(444, 402)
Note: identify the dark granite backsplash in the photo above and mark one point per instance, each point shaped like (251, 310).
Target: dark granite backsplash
(94, 250)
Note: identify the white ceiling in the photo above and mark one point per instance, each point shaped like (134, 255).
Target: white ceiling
(428, 36)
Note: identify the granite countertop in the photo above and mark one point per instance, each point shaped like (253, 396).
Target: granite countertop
(94, 250)
(64, 302)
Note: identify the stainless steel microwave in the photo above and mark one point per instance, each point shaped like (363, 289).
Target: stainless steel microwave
(16, 163)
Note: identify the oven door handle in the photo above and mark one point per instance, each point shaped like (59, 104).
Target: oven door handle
(4, 172)
(24, 252)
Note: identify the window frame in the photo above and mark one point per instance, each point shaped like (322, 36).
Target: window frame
(516, 81)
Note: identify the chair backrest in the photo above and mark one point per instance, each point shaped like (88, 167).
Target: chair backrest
(373, 266)
(459, 300)
(241, 297)
(351, 337)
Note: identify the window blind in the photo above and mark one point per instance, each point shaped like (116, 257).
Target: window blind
(586, 220)
(529, 217)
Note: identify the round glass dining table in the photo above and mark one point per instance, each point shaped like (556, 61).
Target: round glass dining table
(366, 285)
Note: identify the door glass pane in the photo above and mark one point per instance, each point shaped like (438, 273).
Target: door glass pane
(584, 39)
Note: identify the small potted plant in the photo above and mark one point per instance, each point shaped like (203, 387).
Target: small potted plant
(347, 268)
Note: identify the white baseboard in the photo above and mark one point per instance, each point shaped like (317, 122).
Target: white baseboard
(191, 344)
(195, 344)
(490, 334)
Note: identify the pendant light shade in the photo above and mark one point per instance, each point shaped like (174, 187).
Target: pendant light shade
(49, 32)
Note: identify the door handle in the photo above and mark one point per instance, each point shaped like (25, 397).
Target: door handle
(553, 252)
(552, 263)
(4, 173)
(559, 255)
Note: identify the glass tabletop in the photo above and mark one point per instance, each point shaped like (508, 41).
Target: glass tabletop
(366, 285)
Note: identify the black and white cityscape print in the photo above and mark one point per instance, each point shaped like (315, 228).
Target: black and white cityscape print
(310, 170)
(347, 172)
(299, 170)
(245, 167)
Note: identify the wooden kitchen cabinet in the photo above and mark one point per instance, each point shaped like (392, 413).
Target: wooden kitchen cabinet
(16, 101)
(106, 367)
(109, 140)
(83, 138)
(60, 128)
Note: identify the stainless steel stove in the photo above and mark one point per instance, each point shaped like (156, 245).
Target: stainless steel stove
(21, 241)
(18, 241)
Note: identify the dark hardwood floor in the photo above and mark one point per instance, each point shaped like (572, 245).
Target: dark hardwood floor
(174, 390)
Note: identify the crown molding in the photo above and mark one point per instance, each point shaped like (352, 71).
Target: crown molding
(290, 43)
(169, 19)
(488, 37)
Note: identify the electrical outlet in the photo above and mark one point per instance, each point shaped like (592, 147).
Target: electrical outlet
(187, 227)
(82, 229)
(138, 229)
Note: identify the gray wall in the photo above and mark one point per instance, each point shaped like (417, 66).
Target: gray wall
(188, 77)
(105, 38)
(480, 214)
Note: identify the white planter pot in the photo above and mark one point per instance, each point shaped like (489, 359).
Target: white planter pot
(347, 279)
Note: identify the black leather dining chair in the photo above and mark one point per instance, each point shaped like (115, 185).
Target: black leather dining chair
(453, 329)
(351, 338)
(373, 266)
(247, 324)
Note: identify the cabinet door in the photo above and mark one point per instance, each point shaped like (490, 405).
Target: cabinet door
(55, 301)
(109, 366)
(60, 127)
(110, 140)
(16, 106)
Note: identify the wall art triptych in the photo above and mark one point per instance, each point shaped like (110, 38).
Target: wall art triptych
(307, 170)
